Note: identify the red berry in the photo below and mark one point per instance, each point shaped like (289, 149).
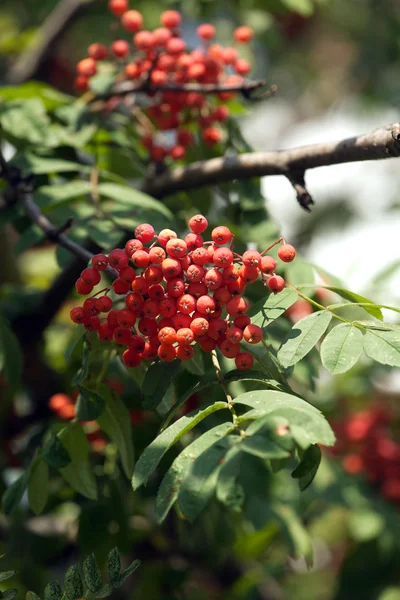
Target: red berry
(248, 274)
(122, 335)
(237, 287)
(157, 255)
(156, 292)
(117, 7)
(90, 276)
(242, 66)
(175, 287)
(140, 285)
(120, 287)
(184, 336)
(134, 302)
(148, 326)
(151, 309)
(77, 314)
(136, 343)
(160, 78)
(144, 40)
(120, 48)
(244, 361)
(92, 324)
(81, 83)
(118, 259)
(253, 334)
(104, 304)
(206, 31)
(126, 318)
(176, 248)
(167, 335)
(165, 322)
(222, 295)
(132, 246)
(171, 267)
(193, 241)
(140, 258)
(200, 256)
(205, 305)
(144, 233)
(243, 34)
(208, 344)
(166, 353)
(237, 306)
(132, 20)
(199, 326)
(98, 51)
(83, 288)
(186, 304)
(197, 289)
(185, 139)
(211, 136)
(99, 262)
(231, 273)
(161, 35)
(153, 274)
(234, 334)
(175, 46)
(170, 19)
(131, 359)
(221, 235)
(222, 257)
(195, 273)
(241, 321)
(268, 264)
(286, 253)
(105, 333)
(217, 328)
(86, 67)
(251, 258)
(167, 307)
(127, 274)
(228, 349)
(213, 279)
(165, 235)
(132, 71)
(276, 283)
(185, 352)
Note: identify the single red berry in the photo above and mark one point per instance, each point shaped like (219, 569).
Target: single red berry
(205, 305)
(253, 334)
(167, 335)
(268, 264)
(165, 235)
(221, 235)
(77, 315)
(211, 136)
(156, 292)
(148, 326)
(166, 352)
(228, 349)
(126, 318)
(217, 328)
(161, 35)
(112, 319)
(222, 295)
(181, 321)
(98, 51)
(251, 258)
(276, 284)
(213, 279)
(287, 253)
(140, 285)
(150, 351)
(206, 31)
(132, 246)
(243, 34)
(153, 274)
(242, 66)
(184, 352)
(131, 359)
(132, 20)
(81, 83)
(90, 276)
(234, 335)
(185, 139)
(157, 255)
(83, 288)
(86, 67)
(186, 304)
(165, 322)
(120, 287)
(144, 233)
(171, 267)
(132, 71)
(159, 78)
(220, 114)
(127, 274)
(92, 324)
(241, 321)
(120, 48)
(208, 344)
(195, 273)
(122, 335)
(144, 40)
(176, 248)
(184, 336)
(105, 333)
(99, 262)
(200, 256)
(231, 273)
(244, 361)
(140, 259)
(118, 7)
(199, 326)
(177, 152)
(193, 241)
(167, 307)
(222, 257)
(118, 259)
(104, 304)
(151, 309)
(170, 19)
(197, 289)
(175, 46)
(134, 302)
(136, 343)
(90, 306)
(175, 287)
(237, 306)
(248, 274)
(237, 287)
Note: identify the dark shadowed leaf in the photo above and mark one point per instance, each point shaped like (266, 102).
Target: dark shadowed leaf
(308, 466)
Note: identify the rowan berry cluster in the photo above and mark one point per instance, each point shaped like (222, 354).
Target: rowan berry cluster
(366, 444)
(159, 61)
(175, 292)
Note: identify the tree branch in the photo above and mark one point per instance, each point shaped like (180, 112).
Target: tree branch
(30, 61)
(381, 143)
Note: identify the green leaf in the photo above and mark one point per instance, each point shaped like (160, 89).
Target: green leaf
(6, 575)
(114, 566)
(141, 203)
(90, 404)
(297, 534)
(105, 591)
(157, 380)
(32, 236)
(300, 273)
(54, 453)
(383, 346)
(102, 82)
(202, 384)
(237, 375)
(92, 574)
(229, 491)
(116, 423)
(10, 356)
(48, 197)
(83, 371)
(38, 486)
(53, 591)
(302, 337)
(303, 7)
(308, 466)
(306, 422)
(13, 494)
(9, 594)
(170, 485)
(128, 572)
(73, 587)
(27, 120)
(341, 348)
(201, 477)
(43, 165)
(196, 364)
(268, 437)
(371, 308)
(78, 473)
(152, 455)
(50, 97)
(32, 596)
(79, 332)
(263, 312)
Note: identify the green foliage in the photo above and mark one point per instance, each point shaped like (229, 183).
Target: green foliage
(157, 380)
(341, 348)
(78, 472)
(38, 486)
(11, 360)
(302, 337)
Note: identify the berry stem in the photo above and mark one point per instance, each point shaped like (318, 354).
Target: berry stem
(281, 239)
(220, 379)
(317, 304)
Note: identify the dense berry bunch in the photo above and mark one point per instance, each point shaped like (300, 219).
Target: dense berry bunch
(172, 293)
(160, 63)
(367, 446)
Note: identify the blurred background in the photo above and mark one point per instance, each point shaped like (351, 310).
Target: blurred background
(335, 63)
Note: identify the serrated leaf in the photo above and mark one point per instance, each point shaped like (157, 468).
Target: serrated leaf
(304, 419)
(38, 486)
(371, 308)
(11, 359)
(229, 491)
(78, 473)
(73, 586)
(9, 594)
(48, 197)
(105, 591)
(263, 312)
(92, 574)
(90, 404)
(157, 380)
(43, 165)
(383, 346)
(55, 453)
(114, 566)
(152, 455)
(302, 337)
(6, 575)
(13, 494)
(308, 466)
(53, 591)
(170, 485)
(141, 203)
(128, 572)
(341, 348)
(116, 423)
(201, 477)
(27, 120)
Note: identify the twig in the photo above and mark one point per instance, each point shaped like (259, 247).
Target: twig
(381, 143)
(220, 376)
